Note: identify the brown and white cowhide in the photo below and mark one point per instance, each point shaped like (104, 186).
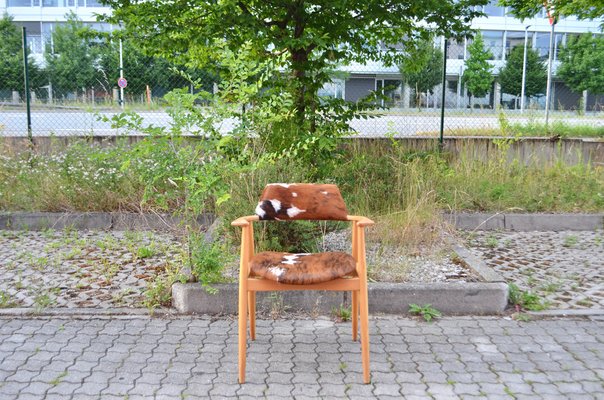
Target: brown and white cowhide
(283, 201)
(302, 268)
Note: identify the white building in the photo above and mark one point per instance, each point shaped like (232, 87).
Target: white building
(41, 16)
(501, 32)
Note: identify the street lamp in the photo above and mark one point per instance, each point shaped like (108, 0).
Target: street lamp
(524, 69)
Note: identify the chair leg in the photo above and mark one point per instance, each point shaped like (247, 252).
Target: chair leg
(355, 314)
(242, 330)
(251, 298)
(364, 306)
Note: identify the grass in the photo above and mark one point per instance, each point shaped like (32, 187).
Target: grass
(341, 314)
(532, 126)
(555, 129)
(426, 311)
(404, 190)
(525, 300)
(382, 180)
(6, 301)
(58, 379)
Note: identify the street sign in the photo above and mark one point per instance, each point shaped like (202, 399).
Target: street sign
(122, 82)
(549, 8)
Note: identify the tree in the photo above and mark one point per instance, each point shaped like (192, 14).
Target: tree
(139, 69)
(422, 68)
(510, 76)
(71, 62)
(582, 9)
(11, 59)
(312, 37)
(582, 63)
(477, 76)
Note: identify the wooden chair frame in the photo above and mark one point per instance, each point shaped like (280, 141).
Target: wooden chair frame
(249, 285)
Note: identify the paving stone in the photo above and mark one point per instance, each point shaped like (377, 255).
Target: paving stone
(36, 388)
(394, 374)
(563, 267)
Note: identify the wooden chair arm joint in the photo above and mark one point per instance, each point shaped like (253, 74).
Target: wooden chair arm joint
(245, 221)
(361, 221)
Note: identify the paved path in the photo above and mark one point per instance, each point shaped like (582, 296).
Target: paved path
(565, 268)
(80, 122)
(196, 357)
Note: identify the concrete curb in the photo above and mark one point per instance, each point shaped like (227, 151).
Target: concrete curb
(36, 221)
(592, 312)
(165, 222)
(83, 312)
(526, 222)
(475, 298)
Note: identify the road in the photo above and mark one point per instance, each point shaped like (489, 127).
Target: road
(66, 123)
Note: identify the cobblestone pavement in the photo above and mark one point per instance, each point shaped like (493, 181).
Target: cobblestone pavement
(81, 269)
(87, 269)
(566, 268)
(196, 357)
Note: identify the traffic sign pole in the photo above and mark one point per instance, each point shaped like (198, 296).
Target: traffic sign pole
(548, 90)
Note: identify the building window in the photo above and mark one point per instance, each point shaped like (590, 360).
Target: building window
(516, 38)
(558, 42)
(493, 41)
(493, 10)
(333, 89)
(93, 3)
(542, 44)
(19, 3)
(455, 50)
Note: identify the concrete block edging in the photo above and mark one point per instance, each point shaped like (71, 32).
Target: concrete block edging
(163, 222)
(526, 222)
(36, 221)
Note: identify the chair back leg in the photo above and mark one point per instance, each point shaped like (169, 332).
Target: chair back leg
(355, 314)
(251, 298)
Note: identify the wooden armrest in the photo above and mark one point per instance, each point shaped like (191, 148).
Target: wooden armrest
(245, 221)
(361, 221)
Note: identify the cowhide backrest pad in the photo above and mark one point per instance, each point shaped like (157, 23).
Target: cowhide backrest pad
(308, 201)
(302, 268)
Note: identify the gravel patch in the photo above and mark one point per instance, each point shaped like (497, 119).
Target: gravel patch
(395, 264)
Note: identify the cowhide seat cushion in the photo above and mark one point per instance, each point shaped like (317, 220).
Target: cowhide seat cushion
(302, 268)
(289, 201)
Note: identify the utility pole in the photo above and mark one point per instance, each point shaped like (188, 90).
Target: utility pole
(26, 78)
(442, 101)
(524, 69)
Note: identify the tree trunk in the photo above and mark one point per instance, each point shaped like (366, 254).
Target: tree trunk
(299, 60)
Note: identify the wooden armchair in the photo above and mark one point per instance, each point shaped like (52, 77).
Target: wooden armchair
(275, 271)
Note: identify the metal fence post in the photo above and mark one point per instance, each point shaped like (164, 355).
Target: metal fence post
(442, 102)
(26, 75)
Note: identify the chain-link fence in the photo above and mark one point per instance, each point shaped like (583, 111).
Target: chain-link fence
(72, 88)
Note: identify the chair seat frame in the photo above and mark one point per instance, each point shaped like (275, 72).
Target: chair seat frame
(249, 285)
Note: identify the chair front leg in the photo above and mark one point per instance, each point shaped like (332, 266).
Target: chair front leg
(242, 329)
(363, 305)
(243, 300)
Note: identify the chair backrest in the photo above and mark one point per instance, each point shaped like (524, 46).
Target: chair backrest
(306, 201)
